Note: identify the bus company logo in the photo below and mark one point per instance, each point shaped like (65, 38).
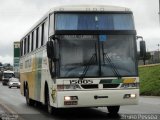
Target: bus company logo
(81, 81)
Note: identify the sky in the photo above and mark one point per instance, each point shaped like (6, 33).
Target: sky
(18, 16)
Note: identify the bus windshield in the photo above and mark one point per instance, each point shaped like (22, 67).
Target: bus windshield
(90, 21)
(75, 53)
(8, 75)
(79, 51)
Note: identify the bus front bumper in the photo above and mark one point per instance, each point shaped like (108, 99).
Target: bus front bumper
(97, 98)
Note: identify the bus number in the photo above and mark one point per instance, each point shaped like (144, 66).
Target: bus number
(81, 81)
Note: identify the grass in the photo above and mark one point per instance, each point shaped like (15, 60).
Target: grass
(150, 80)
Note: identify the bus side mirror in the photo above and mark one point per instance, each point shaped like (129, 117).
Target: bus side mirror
(50, 49)
(142, 48)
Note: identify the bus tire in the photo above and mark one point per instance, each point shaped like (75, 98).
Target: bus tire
(29, 101)
(49, 107)
(113, 109)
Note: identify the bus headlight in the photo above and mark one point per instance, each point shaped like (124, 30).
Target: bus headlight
(70, 100)
(68, 87)
(67, 98)
(130, 85)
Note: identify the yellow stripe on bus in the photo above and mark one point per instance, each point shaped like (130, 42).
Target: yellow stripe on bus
(129, 80)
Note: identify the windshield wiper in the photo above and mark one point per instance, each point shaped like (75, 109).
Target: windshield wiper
(106, 57)
(87, 66)
(94, 56)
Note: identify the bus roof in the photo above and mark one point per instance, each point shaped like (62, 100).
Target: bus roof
(93, 8)
(83, 8)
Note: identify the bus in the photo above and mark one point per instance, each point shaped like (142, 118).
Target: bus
(81, 56)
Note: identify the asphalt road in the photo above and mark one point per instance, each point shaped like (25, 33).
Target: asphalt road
(15, 102)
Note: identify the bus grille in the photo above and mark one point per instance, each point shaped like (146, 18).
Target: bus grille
(110, 85)
(93, 86)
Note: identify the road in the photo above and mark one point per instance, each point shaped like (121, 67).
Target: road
(16, 103)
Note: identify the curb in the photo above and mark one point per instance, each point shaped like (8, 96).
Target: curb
(149, 65)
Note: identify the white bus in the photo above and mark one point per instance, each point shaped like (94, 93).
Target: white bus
(81, 56)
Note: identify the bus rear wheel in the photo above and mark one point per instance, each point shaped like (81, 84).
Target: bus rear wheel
(113, 109)
(29, 101)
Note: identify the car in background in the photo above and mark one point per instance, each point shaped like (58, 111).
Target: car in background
(6, 76)
(14, 82)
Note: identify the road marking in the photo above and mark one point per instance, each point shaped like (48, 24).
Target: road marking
(9, 110)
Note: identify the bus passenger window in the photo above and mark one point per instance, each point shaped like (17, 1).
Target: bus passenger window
(28, 43)
(32, 43)
(42, 35)
(25, 45)
(35, 38)
(37, 30)
(21, 46)
(45, 32)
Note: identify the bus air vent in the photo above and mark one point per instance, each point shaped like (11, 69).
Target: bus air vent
(93, 86)
(110, 85)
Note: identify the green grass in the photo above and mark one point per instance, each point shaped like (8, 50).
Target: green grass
(150, 80)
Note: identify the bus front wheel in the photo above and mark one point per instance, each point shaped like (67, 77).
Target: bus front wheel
(49, 107)
(113, 109)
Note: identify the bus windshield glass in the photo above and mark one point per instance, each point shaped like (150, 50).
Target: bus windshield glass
(75, 54)
(89, 21)
(80, 51)
(8, 75)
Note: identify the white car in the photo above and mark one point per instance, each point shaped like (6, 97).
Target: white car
(14, 82)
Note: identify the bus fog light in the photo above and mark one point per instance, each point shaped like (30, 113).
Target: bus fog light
(67, 98)
(133, 95)
(127, 96)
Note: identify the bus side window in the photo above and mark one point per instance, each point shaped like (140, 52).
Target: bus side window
(21, 47)
(42, 34)
(32, 41)
(51, 25)
(25, 45)
(37, 37)
(45, 31)
(28, 44)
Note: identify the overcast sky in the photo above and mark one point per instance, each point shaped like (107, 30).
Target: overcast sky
(17, 16)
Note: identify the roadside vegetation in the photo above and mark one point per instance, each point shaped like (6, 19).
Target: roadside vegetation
(150, 80)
